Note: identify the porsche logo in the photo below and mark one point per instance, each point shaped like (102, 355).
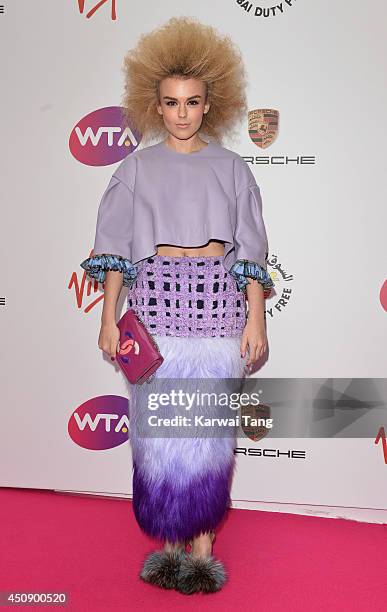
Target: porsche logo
(252, 414)
(263, 126)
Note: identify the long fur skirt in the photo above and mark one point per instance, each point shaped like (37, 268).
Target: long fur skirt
(181, 485)
(191, 306)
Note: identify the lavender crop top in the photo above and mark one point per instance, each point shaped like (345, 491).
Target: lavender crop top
(159, 196)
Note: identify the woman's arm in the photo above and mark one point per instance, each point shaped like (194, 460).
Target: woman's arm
(110, 334)
(250, 266)
(254, 333)
(112, 290)
(111, 263)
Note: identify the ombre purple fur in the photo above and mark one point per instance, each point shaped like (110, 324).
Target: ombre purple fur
(181, 485)
(165, 509)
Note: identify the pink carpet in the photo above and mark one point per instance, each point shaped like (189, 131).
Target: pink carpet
(93, 549)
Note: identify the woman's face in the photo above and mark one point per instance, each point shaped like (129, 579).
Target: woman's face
(182, 105)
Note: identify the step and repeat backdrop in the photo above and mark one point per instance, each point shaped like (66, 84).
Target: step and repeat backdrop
(314, 136)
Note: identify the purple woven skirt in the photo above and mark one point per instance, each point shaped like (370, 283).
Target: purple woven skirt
(188, 296)
(194, 310)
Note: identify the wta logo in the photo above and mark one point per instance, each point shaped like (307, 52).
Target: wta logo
(100, 423)
(101, 138)
(383, 295)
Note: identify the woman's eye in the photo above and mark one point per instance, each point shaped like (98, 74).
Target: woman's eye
(170, 102)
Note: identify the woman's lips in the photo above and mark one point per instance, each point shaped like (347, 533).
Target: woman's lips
(182, 125)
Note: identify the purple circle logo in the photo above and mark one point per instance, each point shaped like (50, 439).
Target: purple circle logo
(101, 137)
(100, 423)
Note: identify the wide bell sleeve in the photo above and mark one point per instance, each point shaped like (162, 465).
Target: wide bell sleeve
(113, 235)
(250, 240)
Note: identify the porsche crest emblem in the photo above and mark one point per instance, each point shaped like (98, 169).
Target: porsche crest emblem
(263, 126)
(252, 414)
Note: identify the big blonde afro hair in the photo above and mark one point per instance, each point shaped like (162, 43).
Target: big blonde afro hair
(185, 48)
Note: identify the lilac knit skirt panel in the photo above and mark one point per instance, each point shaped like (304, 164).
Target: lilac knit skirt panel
(192, 307)
(188, 296)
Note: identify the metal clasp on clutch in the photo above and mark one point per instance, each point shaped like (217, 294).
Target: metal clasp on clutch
(151, 377)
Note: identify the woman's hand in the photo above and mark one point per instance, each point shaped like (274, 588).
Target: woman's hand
(109, 337)
(254, 335)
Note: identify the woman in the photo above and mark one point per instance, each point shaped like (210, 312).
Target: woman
(180, 225)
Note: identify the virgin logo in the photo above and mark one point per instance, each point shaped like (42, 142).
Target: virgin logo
(101, 138)
(93, 9)
(382, 437)
(86, 287)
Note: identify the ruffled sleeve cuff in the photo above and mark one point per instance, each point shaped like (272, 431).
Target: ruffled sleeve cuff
(97, 266)
(244, 268)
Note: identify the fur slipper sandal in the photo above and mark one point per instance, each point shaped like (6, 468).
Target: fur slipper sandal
(162, 567)
(205, 574)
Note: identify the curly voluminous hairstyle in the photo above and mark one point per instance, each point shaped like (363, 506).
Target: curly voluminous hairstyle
(185, 48)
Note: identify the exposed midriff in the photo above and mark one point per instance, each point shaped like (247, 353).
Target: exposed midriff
(213, 247)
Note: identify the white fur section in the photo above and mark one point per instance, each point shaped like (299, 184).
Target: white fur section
(184, 458)
(193, 357)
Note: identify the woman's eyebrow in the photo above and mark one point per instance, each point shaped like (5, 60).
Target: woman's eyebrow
(190, 98)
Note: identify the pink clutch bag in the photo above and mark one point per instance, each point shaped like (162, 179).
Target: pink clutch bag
(138, 355)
